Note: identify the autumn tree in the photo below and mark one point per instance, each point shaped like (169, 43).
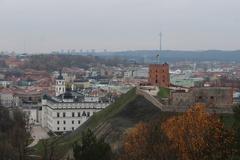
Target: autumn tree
(199, 135)
(146, 141)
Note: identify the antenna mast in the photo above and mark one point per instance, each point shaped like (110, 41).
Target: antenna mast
(160, 47)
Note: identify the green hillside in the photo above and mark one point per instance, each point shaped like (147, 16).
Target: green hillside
(112, 122)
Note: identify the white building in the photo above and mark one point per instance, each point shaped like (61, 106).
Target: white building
(136, 73)
(68, 111)
(5, 83)
(8, 98)
(65, 116)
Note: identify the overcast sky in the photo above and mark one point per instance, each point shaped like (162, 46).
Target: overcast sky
(47, 25)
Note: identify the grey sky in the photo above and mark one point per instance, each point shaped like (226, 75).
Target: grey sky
(46, 25)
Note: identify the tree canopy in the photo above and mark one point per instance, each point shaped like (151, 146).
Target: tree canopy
(91, 148)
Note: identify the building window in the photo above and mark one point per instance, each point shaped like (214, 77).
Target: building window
(72, 122)
(212, 97)
(64, 122)
(57, 122)
(64, 114)
(73, 115)
(88, 114)
(79, 114)
(58, 128)
(72, 128)
(58, 114)
(64, 128)
(79, 122)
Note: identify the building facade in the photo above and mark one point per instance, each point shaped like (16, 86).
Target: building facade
(159, 75)
(69, 109)
(67, 116)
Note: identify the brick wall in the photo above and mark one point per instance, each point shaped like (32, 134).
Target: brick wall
(211, 96)
(159, 75)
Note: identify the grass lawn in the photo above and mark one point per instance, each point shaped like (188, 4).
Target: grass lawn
(163, 92)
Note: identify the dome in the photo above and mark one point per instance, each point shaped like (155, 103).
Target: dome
(68, 95)
(60, 77)
(45, 96)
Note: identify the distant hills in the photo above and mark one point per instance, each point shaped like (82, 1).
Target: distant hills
(174, 55)
(55, 61)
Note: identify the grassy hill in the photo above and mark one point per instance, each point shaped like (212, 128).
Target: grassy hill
(112, 122)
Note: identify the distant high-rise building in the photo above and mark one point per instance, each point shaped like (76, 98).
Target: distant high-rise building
(73, 51)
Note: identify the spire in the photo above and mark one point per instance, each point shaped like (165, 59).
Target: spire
(60, 77)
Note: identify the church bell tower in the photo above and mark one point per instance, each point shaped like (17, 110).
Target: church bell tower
(60, 85)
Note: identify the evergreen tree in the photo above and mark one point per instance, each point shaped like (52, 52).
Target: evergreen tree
(91, 148)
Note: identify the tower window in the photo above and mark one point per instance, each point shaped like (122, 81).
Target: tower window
(64, 114)
(58, 114)
(72, 122)
(73, 115)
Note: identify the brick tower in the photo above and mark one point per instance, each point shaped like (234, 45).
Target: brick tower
(159, 75)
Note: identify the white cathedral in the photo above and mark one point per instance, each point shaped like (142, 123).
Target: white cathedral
(68, 109)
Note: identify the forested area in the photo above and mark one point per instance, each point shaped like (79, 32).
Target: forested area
(52, 62)
(193, 135)
(14, 135)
